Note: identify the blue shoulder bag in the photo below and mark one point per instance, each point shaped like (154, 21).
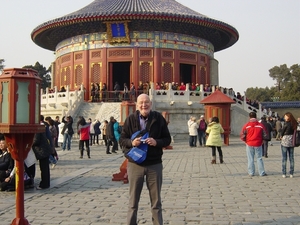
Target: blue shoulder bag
(138, 154)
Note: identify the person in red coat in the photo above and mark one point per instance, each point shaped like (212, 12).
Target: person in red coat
(253, 133)
(84, 137)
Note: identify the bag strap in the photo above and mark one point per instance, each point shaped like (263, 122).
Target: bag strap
(3, 154)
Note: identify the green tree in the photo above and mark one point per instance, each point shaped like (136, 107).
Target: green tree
(43, 73)
(288, 82)
(260, 94)
(1, 64)
(287, 85)
(281, 74)
(291, 91)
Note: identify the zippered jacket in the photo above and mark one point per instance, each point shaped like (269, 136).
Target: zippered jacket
(84, 132)
(253, 133)
(157, 128)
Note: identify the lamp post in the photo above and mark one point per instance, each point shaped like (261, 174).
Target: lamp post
(19, 121)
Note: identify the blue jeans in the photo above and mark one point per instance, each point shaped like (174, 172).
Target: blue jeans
(287, 151)
(67, 141)
(52, 159)
(193, 141)
(257, 151)
(202, 138)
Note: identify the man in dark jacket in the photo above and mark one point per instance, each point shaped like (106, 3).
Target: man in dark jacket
(42, 151)
(68, 132)
(159, 137)
(269, 130)
(97, 130)
(56, 123)
(110, 136)
(117, 91)
(6, 161)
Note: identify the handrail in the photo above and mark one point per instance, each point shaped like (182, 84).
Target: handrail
(69, 101)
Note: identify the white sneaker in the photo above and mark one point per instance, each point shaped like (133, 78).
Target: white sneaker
(53, 166)
(284, 176)
(291, 176)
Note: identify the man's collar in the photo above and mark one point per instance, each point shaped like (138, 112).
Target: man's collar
(143, 117)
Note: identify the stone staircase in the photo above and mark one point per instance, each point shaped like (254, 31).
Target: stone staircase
(87, 110)
(109, 109)
(101, 111)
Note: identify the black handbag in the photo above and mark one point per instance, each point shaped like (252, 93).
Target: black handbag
(40, 152)
(43, 149)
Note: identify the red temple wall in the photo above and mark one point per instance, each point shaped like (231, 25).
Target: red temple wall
(147, 64)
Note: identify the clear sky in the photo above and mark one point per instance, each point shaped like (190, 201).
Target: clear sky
(269, 35)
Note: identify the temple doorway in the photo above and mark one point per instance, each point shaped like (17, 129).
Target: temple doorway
(187, 73)
(120, 72)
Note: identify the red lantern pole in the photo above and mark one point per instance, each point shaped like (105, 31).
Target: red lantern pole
(20, 215)
(19, 146)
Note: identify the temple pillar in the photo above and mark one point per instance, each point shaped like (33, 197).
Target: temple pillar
(157, 65)
(86, 74)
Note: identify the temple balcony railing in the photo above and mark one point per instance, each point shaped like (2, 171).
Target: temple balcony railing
(67, 102)
(190, 97)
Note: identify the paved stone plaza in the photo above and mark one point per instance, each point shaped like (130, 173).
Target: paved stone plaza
(194, 191)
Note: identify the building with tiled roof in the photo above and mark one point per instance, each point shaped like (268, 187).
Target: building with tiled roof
(279, 105)
(135, 41)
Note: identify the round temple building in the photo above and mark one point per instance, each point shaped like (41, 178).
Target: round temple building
(134, 41)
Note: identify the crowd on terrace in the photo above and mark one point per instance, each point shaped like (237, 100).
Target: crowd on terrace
(100, 93)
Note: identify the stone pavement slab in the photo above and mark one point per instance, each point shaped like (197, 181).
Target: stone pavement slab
(194, 191)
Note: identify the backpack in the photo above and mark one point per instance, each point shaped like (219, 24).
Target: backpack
(296, 138)
(202, 125)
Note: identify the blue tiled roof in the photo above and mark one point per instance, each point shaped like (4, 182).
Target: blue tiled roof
(159, 15)
(113, 7)
(277, 105)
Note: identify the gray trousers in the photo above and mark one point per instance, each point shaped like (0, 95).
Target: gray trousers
(153, 175)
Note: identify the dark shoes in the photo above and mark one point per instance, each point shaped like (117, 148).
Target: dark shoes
(40, 188)
(108, 152)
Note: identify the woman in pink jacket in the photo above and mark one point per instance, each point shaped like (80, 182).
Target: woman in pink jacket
(84, 137)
